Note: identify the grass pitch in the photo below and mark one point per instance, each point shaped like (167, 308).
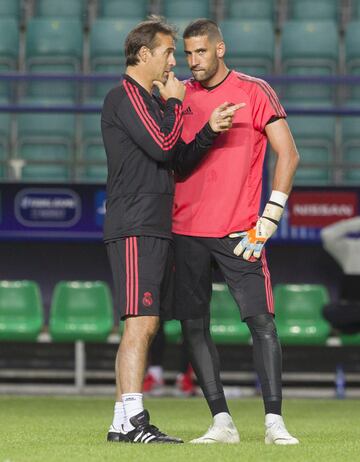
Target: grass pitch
(68, 429)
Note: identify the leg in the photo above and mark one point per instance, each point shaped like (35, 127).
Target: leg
(193, 292)
(153, 382)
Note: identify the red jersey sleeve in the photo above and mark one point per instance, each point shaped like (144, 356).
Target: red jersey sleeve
(265, 105)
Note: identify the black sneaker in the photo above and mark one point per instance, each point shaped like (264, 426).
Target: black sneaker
(114, 436)
(146, 433)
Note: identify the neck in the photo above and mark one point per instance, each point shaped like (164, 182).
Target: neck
(220, 75)
(140, 77)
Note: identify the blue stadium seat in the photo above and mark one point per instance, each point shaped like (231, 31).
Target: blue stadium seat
(10, 8)
(315, 140)
(54, 46)
(250, 9)
(60, 9)
(351, 149)
(309, 48)
(124, 9)
(46, 143)
(249, 45)
(173, 9)
(107, 38)
(352, 55)
(314, 9)
(9, 47)
(5, 127)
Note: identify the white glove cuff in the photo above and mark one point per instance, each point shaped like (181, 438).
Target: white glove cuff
(279, 197)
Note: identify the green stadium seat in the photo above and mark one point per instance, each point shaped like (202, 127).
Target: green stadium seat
(356, 8)
(351, 149)
(352, 56)
(123, 9)
(250, 9)
(350, 340)
(9, 46)
(21, 311)
(314, 9)
(309, 48)
(172, 331)
(94, 173)
(107, 38)
(2, 171)
(249, 45)
(92, 143)
(298, 309)
(45, 173)
(315, 140)
(60, 9)
(225, 323)
(186, 9)
(81, 311)
(9, 8)
(54, 46)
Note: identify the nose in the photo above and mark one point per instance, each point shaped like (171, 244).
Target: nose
(193, 60)
(172, 60)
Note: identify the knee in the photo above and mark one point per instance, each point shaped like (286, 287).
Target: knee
(142, 328)
(193, 329)
(262, 325)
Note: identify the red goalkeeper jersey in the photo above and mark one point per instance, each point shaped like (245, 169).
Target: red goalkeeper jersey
(223, 194)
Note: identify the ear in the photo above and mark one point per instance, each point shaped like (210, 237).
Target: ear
(220, 49)
(143, 54)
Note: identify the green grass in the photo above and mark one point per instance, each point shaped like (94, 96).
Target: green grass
(50, 429)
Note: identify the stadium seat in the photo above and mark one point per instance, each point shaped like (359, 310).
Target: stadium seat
(250, 9)
(173, 9)
(124, 9)
(21, 311)
(53, 46)
(9, 8)
(5, 127)
(225, 323)
(60, 9)
(352, 56)
(9, 46)
(46, 142)
(298, 309)
(356, 9)
(107, 38)
(172, 331)
(92, 143)
(313, 9)
(350, 340)
(315, 140)
(249, 45)
(351, 149)
(309, 48)
(81, 311)
(94, 173)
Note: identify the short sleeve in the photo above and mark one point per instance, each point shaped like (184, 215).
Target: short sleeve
(265, 105)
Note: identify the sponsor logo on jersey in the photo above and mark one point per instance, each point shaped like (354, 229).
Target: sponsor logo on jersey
(188, 111)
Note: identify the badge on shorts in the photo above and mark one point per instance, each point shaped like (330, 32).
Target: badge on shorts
(147, 299)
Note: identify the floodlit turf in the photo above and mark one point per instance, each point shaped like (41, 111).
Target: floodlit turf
(34, 429)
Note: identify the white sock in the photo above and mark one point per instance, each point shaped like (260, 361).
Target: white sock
(119, 416)
(272, 418)
(223, 419)
(156, 372)
(133, 405)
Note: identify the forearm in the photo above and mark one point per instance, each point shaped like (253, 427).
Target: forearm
(284, 172)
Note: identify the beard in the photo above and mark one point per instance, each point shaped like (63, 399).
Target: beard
(204, 75)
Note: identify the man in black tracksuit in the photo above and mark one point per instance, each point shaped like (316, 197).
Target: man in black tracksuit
(141, 135)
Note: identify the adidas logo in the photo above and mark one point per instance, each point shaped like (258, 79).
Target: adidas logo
(188, 111)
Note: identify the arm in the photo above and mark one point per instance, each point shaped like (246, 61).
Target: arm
(188, 156)
(283, 145)
(158, 140)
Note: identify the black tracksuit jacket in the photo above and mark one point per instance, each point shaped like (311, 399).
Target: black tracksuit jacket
(142, 138)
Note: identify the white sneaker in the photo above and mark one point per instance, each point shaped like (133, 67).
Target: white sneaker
(275, 431)
(223, 430)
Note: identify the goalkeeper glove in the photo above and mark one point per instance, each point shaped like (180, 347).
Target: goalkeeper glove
(253, 240)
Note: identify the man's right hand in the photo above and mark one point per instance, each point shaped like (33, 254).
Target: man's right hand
(222, 117)
(173, 88)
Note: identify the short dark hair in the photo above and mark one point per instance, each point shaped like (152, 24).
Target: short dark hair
(201, 27)
(144, 34)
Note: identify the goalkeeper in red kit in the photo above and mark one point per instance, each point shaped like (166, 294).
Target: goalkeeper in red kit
(216, 216)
